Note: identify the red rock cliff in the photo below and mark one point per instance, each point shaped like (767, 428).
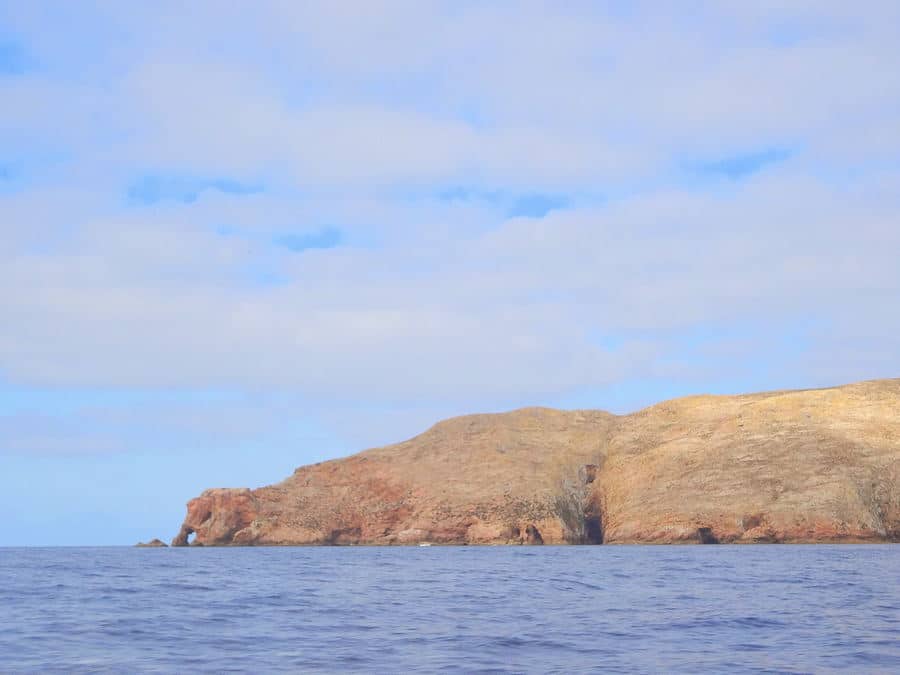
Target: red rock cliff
(820, 465)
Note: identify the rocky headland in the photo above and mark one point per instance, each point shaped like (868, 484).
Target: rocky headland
(786, 466)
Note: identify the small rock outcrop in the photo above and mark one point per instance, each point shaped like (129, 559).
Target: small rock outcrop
(788, 466)
(153, 543)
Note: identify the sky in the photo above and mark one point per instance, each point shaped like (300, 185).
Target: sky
(236, 238)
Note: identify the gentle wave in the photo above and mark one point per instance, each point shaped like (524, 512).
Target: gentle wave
(455, 609)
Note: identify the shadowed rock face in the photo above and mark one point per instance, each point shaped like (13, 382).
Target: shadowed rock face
(799, 466)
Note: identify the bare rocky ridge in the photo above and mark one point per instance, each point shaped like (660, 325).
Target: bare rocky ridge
(793, 466)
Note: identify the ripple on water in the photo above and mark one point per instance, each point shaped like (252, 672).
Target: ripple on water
(553, 609)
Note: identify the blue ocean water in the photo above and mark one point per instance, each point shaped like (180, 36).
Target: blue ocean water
(454, 609)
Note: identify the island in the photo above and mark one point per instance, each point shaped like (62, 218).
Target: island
(816, 466)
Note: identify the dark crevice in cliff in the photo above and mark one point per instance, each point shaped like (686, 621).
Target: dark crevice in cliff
(593, 510)
(343, 536)
(533, 535)
(706, 535)
(577, 505)
(593, 529)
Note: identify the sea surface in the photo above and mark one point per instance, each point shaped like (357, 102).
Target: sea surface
(736, 609)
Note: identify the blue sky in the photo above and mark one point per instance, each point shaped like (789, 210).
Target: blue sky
(235, 240)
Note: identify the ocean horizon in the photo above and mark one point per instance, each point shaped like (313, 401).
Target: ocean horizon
(430, 334)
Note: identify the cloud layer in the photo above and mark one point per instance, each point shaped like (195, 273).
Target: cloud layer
(444, 206)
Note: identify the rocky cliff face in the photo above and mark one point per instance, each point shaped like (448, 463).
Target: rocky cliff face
(795, 466)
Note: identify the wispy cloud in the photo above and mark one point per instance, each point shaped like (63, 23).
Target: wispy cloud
(327, 237)
(536, 205)
(155, 188)
(460, 193)
(500, 251)
(529, 205)
(743, 165)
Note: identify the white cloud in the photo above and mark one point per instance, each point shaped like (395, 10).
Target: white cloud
(142, 303)
(356, 120)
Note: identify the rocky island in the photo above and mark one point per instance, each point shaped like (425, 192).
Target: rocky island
(786, 466)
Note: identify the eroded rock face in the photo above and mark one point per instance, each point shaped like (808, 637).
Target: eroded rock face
(820, 465)
(218, 516)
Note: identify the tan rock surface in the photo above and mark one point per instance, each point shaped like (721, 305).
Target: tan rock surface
(819, 465)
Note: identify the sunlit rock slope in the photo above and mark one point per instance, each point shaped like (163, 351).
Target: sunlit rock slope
(789, 466)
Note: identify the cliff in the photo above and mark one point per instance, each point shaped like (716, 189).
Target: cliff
(789, 466)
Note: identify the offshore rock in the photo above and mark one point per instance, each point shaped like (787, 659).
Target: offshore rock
(790, 466)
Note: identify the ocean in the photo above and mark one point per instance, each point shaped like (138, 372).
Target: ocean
(736, 609)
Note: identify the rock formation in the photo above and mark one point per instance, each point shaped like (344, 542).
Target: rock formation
(787, 466)
(153, 543)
